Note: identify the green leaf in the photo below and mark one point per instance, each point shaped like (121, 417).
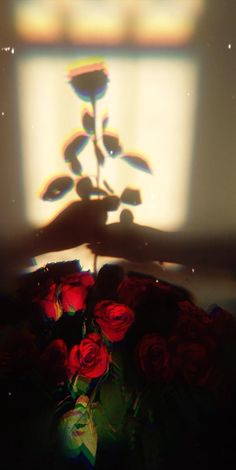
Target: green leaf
(115, 397)
(116, 373)
(77, 434)
(78, 385)
(71, 312)
(106, 434)
(113, 405)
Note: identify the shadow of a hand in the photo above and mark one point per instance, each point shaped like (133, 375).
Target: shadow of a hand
(79, 223)
(128, 240)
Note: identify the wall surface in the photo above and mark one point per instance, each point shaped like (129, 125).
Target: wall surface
(211, 199)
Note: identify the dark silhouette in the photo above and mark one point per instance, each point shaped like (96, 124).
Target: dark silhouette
(75, 225)
(81, 222)
(136, 242)
(84, 222)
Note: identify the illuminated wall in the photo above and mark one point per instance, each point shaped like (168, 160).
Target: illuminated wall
(151, 101)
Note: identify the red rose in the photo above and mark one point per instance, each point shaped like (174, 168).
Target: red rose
(193, 323)
(114, 319)
(194, 360)
(188, 328)
(154, 358)
(49, 303)
(74, 291)
(90, 358)
(223, 325)
(188, 308)
(132, 289)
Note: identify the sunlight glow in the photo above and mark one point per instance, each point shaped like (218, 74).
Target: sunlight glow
(150, 102)
(112, 22)
(150, 110)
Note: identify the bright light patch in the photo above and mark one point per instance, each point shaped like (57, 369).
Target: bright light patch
(96, 22)
(148, 108)
(166, 22)
(111, 22)
(38, 20)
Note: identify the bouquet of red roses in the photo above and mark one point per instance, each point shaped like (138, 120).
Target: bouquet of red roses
(144, 367)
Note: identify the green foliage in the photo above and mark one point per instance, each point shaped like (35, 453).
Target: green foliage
(78, 386)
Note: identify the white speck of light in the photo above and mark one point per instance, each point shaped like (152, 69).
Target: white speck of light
(13, 50)
(229, 46)
(10, 394)
(3, 114)
(157, 281)
(193, 270)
